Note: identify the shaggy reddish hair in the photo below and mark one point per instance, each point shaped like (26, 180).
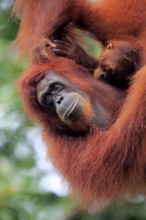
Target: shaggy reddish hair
(101, 164)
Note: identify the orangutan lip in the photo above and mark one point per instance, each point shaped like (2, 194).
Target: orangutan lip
(71, 109)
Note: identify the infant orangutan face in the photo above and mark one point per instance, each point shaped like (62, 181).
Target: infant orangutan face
(118, 61)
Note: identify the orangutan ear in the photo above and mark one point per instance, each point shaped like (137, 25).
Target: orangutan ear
(110, 46)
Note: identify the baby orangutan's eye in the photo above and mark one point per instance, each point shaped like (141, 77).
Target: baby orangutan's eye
(108, 70)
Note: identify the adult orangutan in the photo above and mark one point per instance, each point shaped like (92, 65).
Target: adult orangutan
(95, 133)
(118, 25)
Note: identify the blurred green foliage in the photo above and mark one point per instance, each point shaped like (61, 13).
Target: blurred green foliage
(21, 197)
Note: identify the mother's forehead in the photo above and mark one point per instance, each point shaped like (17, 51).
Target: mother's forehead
(84, 83)
(54, 75)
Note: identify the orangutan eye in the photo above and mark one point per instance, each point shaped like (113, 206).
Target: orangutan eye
(108, 70)
(55, 87)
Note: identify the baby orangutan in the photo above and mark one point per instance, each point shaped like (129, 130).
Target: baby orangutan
(118, 61)
(123, 37)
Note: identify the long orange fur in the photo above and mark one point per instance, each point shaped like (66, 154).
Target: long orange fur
(108, 20)
(103, 164)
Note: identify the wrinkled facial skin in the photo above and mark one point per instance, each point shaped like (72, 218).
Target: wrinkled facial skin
(118, 62)
(62, 99)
